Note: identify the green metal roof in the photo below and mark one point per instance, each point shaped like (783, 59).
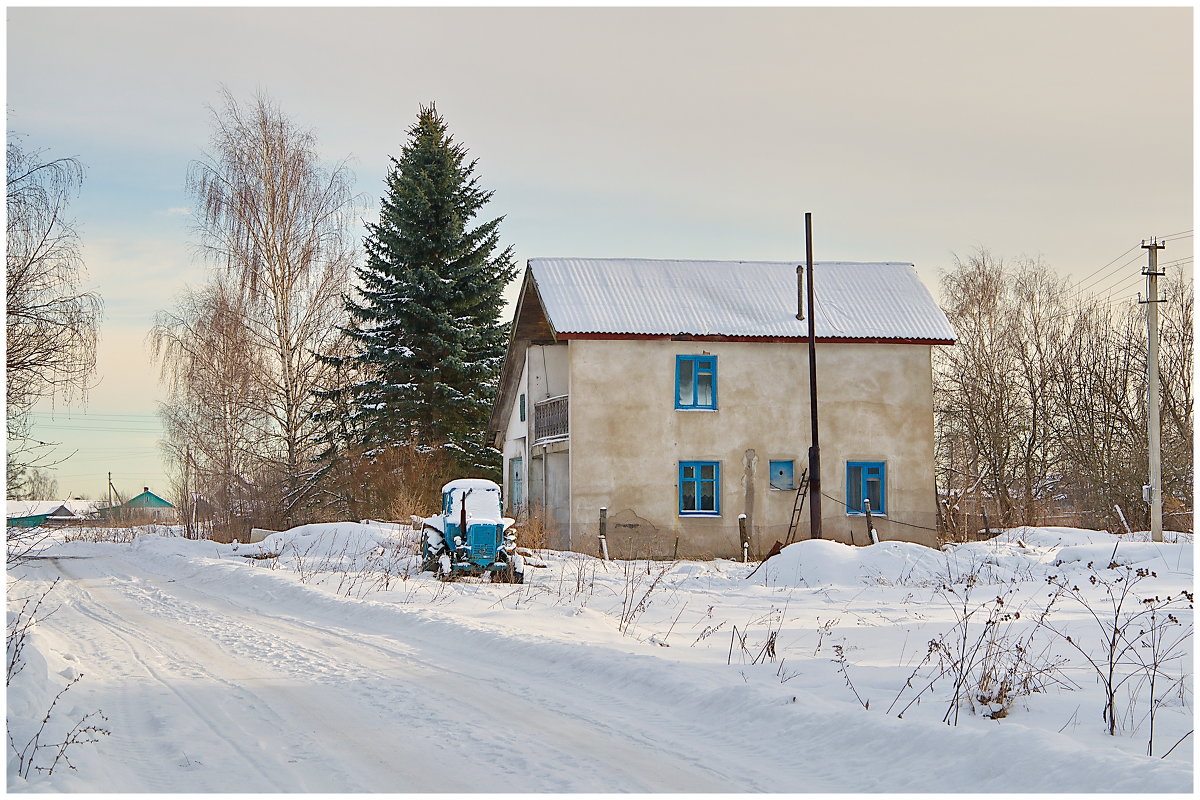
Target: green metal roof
(27, 522)
(148, 499)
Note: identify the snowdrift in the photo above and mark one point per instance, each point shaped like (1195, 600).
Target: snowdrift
(1020, 554)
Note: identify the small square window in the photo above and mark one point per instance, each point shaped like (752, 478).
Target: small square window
(782, 475)
(866, 480)
(699, 488)
(695, 382)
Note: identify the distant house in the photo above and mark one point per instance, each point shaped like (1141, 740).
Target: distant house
(48, 513)
(675, 395)
(146, 505)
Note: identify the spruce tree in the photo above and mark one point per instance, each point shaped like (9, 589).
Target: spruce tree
(426, 337)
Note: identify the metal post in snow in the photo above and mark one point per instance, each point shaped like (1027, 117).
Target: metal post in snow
(814, 452)
(604, 533)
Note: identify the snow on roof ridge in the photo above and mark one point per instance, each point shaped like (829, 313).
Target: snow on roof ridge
(638, 259)
(668, 297)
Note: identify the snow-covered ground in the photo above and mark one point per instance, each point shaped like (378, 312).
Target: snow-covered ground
(333, 668)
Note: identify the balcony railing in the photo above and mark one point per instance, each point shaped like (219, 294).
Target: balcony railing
(550, 419)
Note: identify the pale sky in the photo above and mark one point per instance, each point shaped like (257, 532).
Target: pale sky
(910, 134)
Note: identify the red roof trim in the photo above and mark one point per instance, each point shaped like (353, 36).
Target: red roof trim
(718, 338)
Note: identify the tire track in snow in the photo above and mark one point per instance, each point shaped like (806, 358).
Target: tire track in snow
(102, 620)
(236, 713)
(472, 716)
(745, 738)
(474, 705)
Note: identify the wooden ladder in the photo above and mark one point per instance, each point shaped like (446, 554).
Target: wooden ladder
(797, 507)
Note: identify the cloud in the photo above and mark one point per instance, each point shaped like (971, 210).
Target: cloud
(175, 212)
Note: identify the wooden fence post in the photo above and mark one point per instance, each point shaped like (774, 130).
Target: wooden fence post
(871, 534)
(603, 533)
(744, 537)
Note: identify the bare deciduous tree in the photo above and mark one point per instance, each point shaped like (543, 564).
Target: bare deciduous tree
(995, 423)
(1041, 406)
(244, 357)
(216, 434)
(51, 323)
(1177, 360)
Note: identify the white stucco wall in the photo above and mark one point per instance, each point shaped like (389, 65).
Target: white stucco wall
(515, 445)
(627, 440)
(545, 374)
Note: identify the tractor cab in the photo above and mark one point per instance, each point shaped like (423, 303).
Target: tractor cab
(470, 535)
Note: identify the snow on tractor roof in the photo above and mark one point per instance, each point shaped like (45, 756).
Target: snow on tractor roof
(471, 483)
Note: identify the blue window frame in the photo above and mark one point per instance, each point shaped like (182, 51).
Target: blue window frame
(699, 488)
(696, 382)
(522, 408)
(866, 480)
(782, 473)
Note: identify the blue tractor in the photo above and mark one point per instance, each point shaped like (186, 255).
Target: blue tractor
(470, 536)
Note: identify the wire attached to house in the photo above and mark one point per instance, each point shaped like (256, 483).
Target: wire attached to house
(889, 519)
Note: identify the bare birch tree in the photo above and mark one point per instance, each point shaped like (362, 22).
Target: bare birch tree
(52, 323)
(276, 223)
(216, 432)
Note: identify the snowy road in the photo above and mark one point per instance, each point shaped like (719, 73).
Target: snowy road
(262, 702)
(219, 675)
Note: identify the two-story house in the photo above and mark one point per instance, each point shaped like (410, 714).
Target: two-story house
(675, 394)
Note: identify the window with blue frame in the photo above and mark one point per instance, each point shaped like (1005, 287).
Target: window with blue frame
(699, 488)
(866, 480)
(781, 475)
(696, 382)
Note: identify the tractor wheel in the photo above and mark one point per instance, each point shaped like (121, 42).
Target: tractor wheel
(506, 575)
(433, 552)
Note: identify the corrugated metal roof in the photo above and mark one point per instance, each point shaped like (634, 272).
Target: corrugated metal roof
(31, 508)
(735, 298)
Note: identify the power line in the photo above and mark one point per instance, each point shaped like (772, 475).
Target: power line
(1109, 264)
(94, 415)
(1082, 286)
(1087, 280)
(100, 475)
(1121, 287)
(1121, 284)
(51, 428)
(1121, 291)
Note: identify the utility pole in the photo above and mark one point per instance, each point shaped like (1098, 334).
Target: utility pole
(814, 452)
(1152, 396)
